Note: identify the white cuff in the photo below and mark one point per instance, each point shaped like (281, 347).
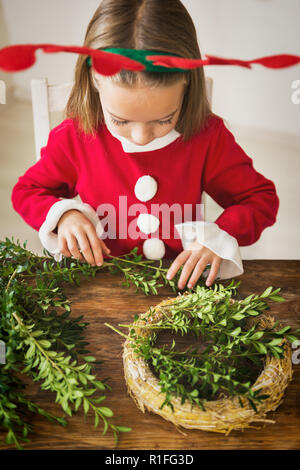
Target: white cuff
(217, 240)
(49, 239)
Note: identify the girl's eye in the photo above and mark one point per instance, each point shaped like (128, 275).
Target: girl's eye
(168, 121)
(121, 123)
(118, 123)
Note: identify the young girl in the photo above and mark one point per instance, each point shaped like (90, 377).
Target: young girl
(136, 142)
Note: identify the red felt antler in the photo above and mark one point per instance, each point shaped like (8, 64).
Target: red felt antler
(274, 62)
(21, 57)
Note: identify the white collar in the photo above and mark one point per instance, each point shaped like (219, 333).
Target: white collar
(156, 144)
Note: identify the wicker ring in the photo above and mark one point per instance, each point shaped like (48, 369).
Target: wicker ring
(222, 415)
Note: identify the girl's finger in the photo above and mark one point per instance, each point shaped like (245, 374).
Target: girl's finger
(85, 247)
(179, 260)
(73, 247)
(96, 246)
(63, 246)
(187, 269)
(198, 270)
(213, 271)
(106, 249)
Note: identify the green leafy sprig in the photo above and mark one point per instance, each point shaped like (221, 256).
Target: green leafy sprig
(232, 343)
(44, 343)
(146, 275)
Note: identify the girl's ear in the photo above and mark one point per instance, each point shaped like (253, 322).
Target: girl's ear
(185, 86)
(185, 83)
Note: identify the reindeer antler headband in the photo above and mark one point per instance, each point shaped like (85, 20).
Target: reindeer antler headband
(110, 61)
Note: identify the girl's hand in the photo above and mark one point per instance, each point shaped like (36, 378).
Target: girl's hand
(195, 258)
(76, 232)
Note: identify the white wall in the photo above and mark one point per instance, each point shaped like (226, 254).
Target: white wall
(257, 98)
(248, 29)
(46, 21)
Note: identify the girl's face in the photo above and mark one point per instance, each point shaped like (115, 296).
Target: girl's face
(140, 114)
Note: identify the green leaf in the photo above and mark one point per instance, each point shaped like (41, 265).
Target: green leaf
(267, 292)
(261, 348)
(236, 332)
(257, 335)
(30, 351)
(45, 343)
(252, 312)
(77, 403)
(105, 427)
(277, 298)
(89, 359)
(262, 397)
(283, 330)
(274, 352)
(10, 437)
(96, 420)
(99, 399)
(86, 406)
(216, 377)
(275, 342)
(21, 269)
(291, 338)
(100, 385)
(252, 404)
(237, 316)
(123, 429)
(37, 333)
(107, 412)
(247, 299)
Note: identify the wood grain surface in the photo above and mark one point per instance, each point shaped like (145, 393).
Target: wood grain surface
(104, 299)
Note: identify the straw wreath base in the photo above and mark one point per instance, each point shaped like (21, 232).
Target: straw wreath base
(222, 415)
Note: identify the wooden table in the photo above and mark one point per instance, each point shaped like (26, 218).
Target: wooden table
(104, 299)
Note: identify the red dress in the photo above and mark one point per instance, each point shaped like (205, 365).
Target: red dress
(104, 175)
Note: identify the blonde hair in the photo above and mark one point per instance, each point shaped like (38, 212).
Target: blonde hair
(155, 25)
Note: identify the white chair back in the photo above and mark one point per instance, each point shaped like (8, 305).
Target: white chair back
(2, 92)
(46, 99)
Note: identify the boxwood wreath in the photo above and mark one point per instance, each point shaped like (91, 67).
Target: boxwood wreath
(212, 386)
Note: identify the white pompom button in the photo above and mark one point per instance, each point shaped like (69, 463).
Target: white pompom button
(145, 188)
(154, 248)
(147, 223)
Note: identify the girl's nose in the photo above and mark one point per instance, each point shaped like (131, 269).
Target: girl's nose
(142, 135)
